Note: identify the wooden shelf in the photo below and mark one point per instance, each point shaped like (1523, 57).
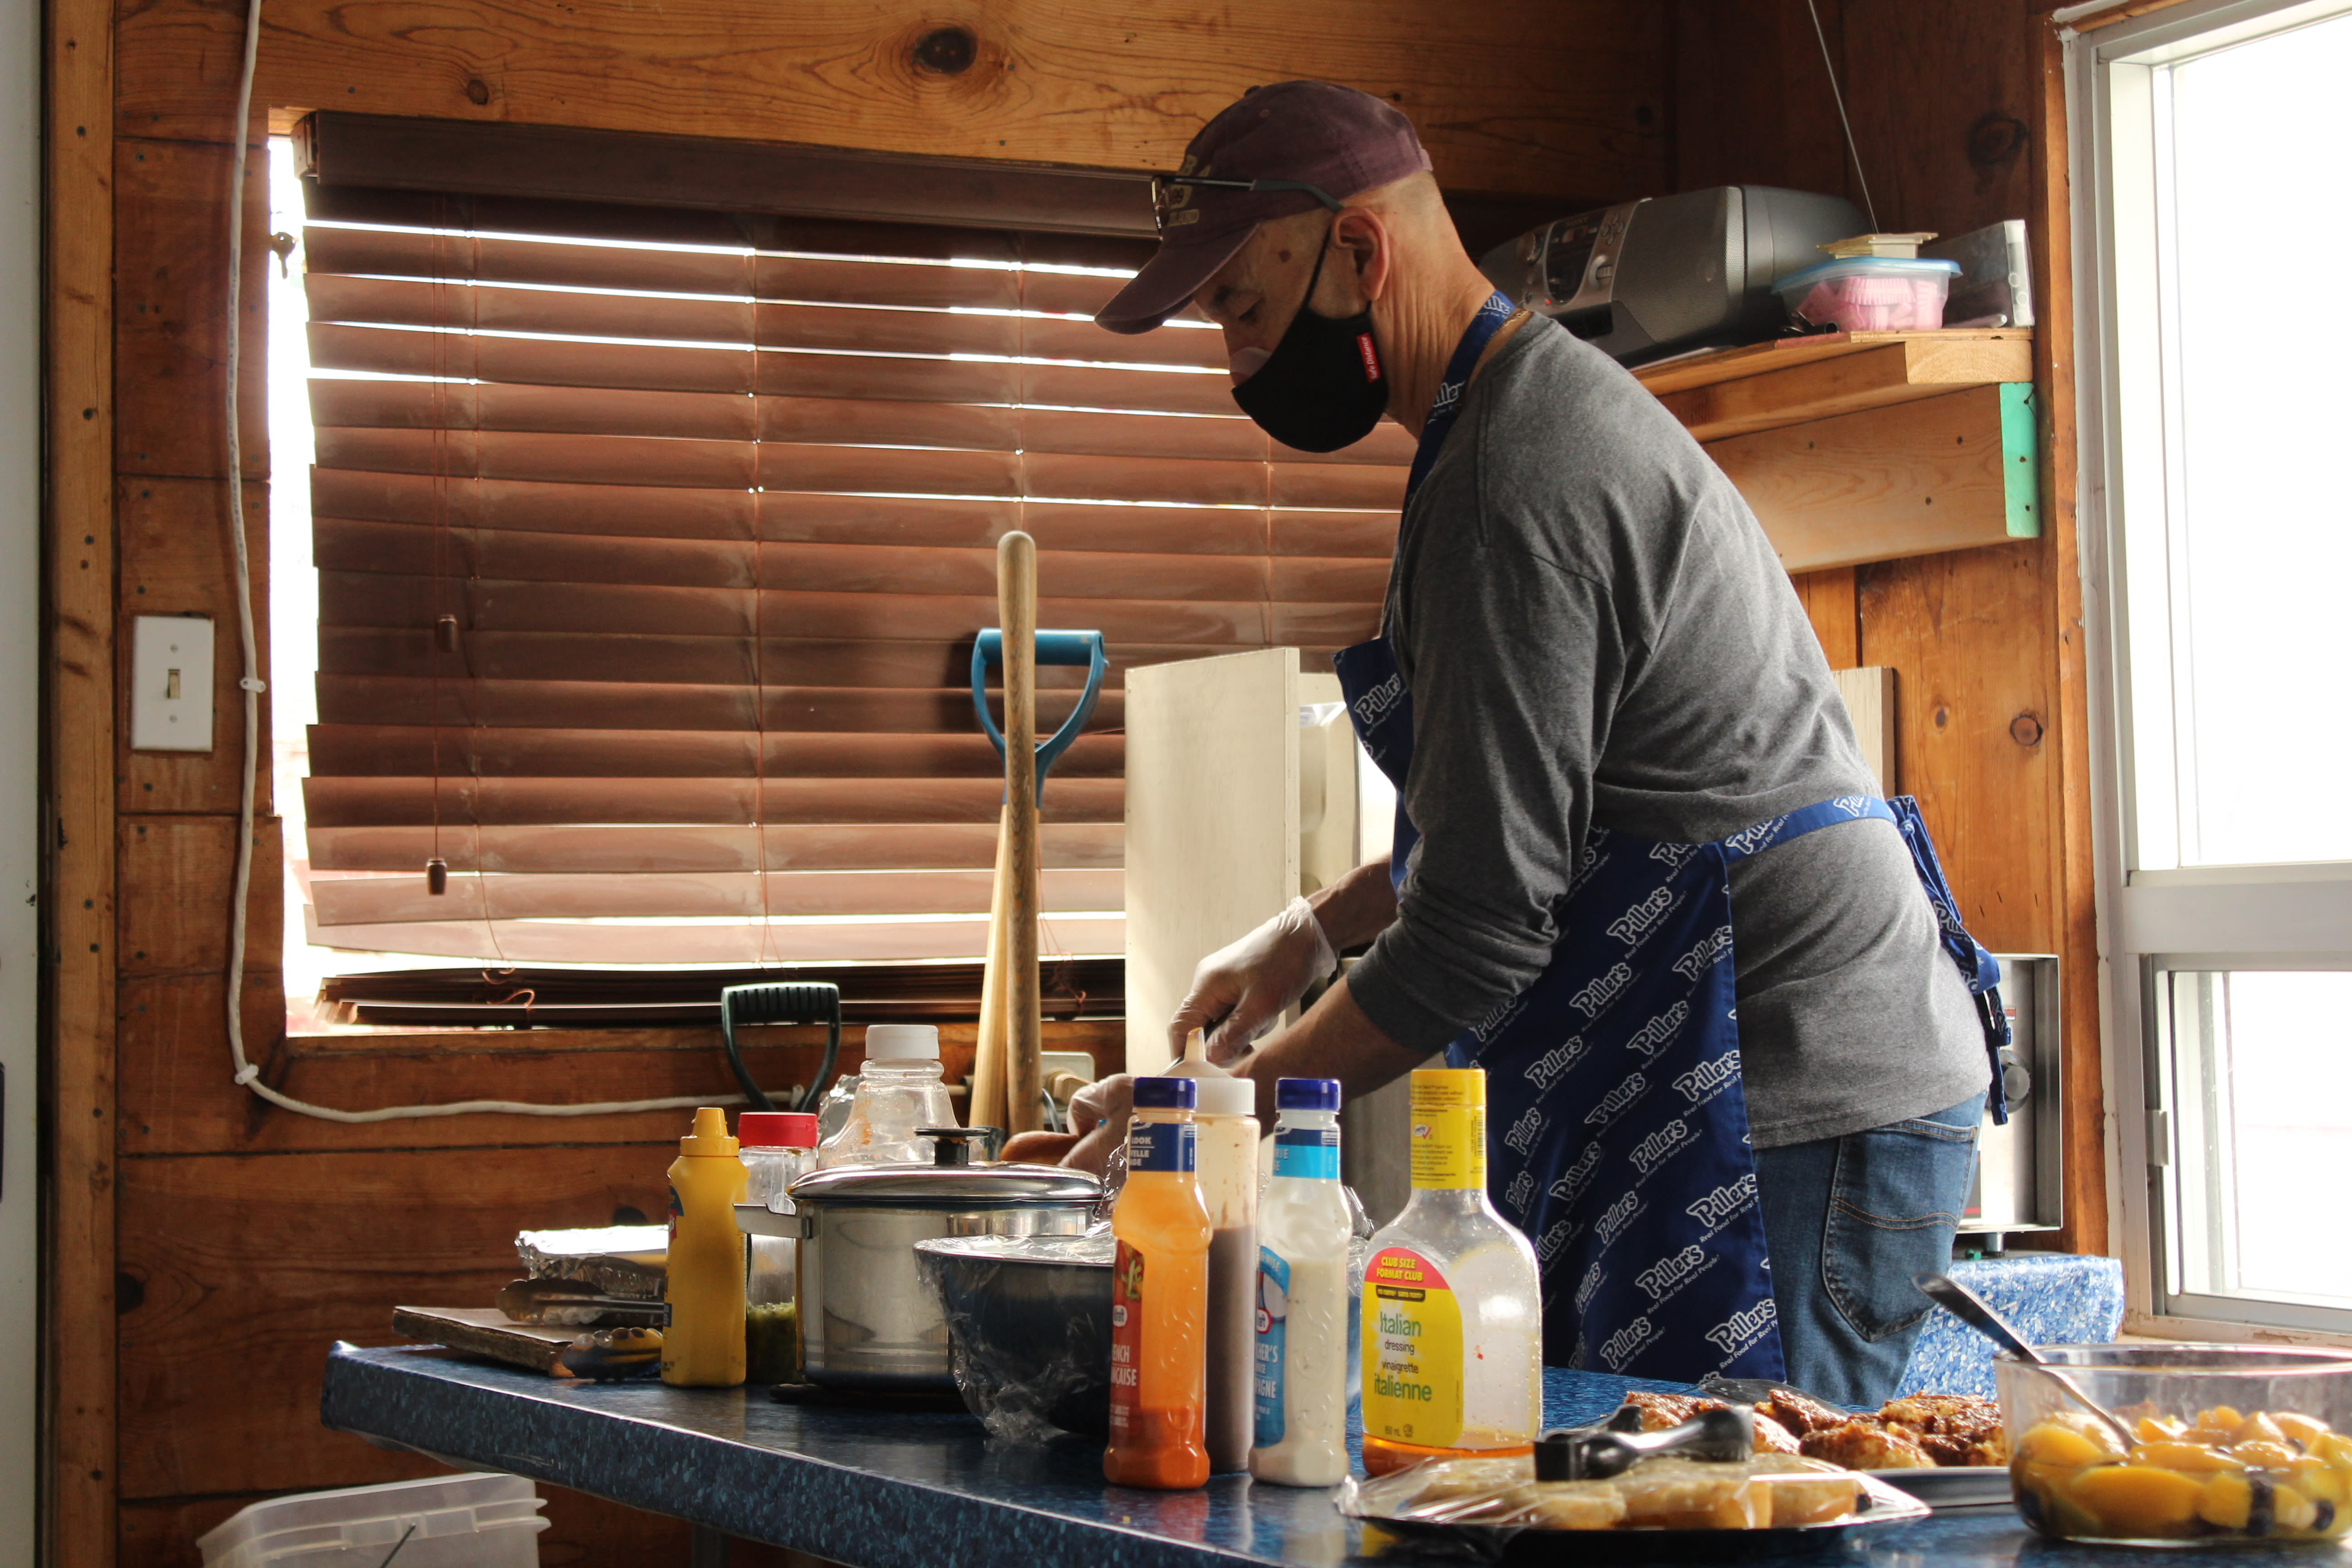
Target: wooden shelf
(1859, 446)
(1736, 392)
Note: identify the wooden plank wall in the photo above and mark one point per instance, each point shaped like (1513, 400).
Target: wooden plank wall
(198, 1290)
(1959, 112)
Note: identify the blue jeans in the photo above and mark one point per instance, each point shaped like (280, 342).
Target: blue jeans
(1848, 1221)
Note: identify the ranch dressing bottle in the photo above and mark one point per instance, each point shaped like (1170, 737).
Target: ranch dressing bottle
(1453, 1317)
(1302, 1295)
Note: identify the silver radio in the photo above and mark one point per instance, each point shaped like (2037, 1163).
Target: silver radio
(1668, 274)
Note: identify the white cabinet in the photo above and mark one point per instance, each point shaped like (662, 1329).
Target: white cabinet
(1243, 790)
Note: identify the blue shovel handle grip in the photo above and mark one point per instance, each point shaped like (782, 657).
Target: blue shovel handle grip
(1053, 647)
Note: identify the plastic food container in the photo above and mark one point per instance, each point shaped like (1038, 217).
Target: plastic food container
(2234, 1445)
(448, 1522)
(1870, 294)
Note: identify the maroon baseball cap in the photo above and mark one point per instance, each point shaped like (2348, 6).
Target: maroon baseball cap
(1310, 133)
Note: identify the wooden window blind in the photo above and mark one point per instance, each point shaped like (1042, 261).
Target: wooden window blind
(651, 547)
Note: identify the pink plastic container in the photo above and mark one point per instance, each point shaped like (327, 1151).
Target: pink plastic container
(1870, 294)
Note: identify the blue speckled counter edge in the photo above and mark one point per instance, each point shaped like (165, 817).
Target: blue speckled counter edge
(874, 1488)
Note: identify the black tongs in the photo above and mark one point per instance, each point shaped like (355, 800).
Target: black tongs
(1596, 1453)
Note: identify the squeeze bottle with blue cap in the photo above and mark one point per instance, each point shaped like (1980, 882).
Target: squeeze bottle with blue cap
(1302, 1295)
(1453, 1323)
(1160, 1298)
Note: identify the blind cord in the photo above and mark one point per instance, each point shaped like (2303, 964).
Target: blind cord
(250, 685)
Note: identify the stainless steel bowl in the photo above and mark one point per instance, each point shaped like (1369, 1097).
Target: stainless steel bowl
(867, 1321)
(1029, 1323)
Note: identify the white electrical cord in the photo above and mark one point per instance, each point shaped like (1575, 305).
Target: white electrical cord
(246, 1073)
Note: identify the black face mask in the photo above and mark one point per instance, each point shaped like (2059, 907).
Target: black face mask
(1324, 386)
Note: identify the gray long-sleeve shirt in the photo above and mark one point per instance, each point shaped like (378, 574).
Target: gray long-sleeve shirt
(1594, 629)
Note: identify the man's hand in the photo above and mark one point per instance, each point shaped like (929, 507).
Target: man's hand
(1099, 1112)
(1252, 983)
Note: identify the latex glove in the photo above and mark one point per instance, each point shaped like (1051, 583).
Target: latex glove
(1099, 1114)
(1252, 983)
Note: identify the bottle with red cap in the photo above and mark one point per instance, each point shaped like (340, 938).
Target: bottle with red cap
(778, 1147)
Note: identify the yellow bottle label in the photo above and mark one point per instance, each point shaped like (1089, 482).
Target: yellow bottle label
(1412, 1351)
(1449, 1128)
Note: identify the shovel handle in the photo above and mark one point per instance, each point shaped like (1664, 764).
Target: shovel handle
(1053, 647)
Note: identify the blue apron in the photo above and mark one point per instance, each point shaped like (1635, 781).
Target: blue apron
(1617, 1127)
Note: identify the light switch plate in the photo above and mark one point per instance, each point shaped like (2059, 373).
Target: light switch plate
(172, 683)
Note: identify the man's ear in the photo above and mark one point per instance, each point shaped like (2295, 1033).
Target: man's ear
(1368, 241)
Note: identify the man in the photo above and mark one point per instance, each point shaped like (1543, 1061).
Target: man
(1608, 715)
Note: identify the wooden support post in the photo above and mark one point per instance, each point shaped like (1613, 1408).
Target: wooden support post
(79, 835)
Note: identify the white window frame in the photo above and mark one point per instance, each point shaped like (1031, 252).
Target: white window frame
(2157, 917)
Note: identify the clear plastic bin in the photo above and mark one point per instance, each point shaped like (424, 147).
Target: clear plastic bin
(1870, 294)
(459, 1521)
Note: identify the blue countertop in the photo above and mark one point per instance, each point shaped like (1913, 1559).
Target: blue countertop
(874, 1488)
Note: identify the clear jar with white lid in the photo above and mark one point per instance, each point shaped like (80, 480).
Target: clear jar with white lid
(900, 1092)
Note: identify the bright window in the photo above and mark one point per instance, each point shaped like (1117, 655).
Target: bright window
(624, 618)
(2257, 524)
(2265, 1059)
(2209, 137)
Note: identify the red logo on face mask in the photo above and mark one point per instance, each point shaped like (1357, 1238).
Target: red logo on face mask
(1372, 356)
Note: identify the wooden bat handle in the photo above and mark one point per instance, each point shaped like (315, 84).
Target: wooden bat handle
(987, 1107)
(1016, 604)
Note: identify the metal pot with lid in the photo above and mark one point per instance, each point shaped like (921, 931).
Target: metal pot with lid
(868, 1318)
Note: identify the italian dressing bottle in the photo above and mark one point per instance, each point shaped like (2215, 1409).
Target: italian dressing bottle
(1302, 1308)
(703, 1346)
(1453, 1317)
(1160, 1299)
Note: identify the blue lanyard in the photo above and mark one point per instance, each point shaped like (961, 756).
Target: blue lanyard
(1448, 401)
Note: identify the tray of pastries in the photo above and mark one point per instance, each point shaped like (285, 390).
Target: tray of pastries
(1619, 1492)
(1946, 1449)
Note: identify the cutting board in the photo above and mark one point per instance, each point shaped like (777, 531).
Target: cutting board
(485, 1331)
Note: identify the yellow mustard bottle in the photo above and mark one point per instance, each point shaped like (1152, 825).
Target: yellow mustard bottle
(703, 1346)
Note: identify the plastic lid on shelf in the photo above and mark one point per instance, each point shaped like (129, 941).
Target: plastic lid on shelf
(1225, 1096)
(902, 1043)
(1905, 246)
(1861, 267)
(1306, 1094)
(1167, 1093)
(776, 1129)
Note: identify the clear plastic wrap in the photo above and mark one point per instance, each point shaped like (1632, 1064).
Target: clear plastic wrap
(1360, 1257)
(1028, 1323)
(1476, 1507)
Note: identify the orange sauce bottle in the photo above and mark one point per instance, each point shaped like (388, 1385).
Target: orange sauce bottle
(1159, 1300)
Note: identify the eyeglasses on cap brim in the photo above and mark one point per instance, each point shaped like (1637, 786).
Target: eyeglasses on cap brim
(1170, 194)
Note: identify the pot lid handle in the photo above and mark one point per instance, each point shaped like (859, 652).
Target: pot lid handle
(952, 1146)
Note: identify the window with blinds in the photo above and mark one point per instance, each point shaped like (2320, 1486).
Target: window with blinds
(651, 547)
